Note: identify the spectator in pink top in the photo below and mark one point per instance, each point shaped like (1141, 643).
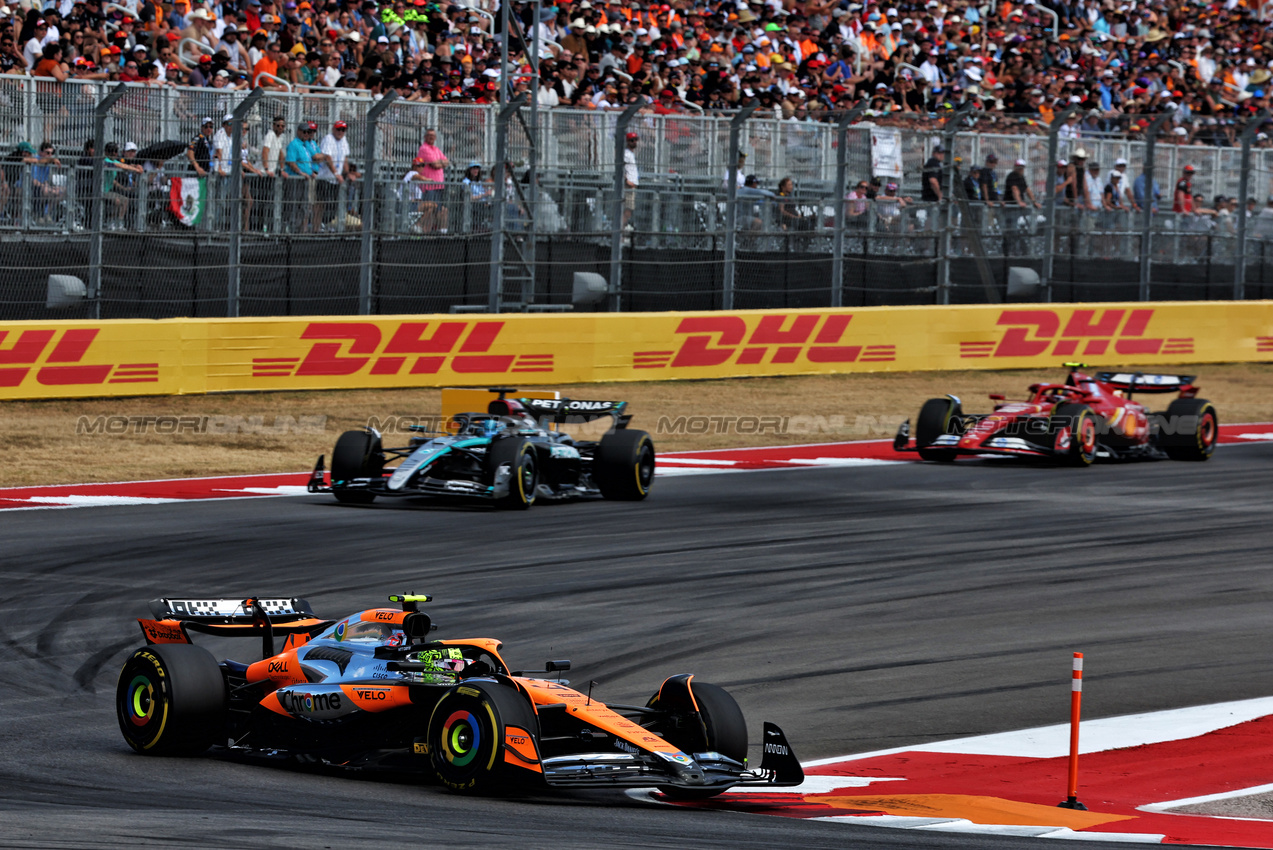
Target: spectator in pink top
(435, 214)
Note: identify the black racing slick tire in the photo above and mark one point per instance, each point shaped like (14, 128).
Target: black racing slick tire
(623, 465)
(1074, 428)
(726, 730)
(357, 455)
(938, 417)
(1194, 426)
(482, 738)
(518, 454)
(171, 700)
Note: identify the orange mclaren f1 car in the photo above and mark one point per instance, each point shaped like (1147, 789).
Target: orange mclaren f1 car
(374, 690)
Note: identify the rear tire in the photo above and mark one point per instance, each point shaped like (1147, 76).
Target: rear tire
(1198, 443)
(171, 700)
(519, 455)
(1077, 424)
(726, 734)
(466, 737)
(938, 417)
(623, 466)
(357, 455)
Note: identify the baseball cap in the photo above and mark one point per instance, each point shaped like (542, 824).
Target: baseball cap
(228, 117)
(1120, 161)
(417, 162)
(340, 125)
(1189, 168)
(1019, 162)
(205, 122)
(632, 137)
(130, 146)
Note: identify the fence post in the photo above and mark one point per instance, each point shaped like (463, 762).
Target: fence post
(95, 198)
(947, 200)
(1049, 203)
(731, 206)
(366, 271)
(235, 200)
(1147, 213)
(495, 294)
(616, 209)
(1244, 178)
(841, 167)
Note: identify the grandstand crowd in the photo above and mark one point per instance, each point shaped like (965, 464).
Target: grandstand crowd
(911, 62)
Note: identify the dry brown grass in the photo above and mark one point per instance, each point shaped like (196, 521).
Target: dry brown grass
(39, 443)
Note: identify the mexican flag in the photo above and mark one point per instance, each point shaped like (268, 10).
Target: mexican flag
(188, 199)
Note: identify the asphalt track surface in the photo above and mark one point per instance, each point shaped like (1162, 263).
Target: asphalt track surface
(860, 608)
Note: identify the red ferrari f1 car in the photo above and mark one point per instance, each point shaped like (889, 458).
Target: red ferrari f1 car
(1087, 417)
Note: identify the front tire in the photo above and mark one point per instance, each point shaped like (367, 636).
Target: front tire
(358, 454)
(1197, 443)
(1074, 429)
(466, 737)
(518, 454)
(623, 466)
(937, 418)
(726, 731)
(171, 700)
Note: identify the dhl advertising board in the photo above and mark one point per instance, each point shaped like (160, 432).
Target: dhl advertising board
(177, 356)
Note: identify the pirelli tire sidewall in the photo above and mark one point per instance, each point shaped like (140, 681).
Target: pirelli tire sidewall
(171, 700)
(466, 735)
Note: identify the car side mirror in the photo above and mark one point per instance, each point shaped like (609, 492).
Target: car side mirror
(997, 396)
(556, 666)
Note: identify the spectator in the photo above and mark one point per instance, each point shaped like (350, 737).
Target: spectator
(1017, 189)
(302, 169)
(435, 212)
(335, 167)
(480, 193)
(273, 151)
(931, 181)
(199, 151)
(116, 201)
(988, 181)
(47, 189)
(1183, 200)
(631, 178)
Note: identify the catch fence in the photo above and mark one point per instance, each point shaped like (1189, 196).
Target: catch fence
(152, 239)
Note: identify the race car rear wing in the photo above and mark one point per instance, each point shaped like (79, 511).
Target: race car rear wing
(230, 617)
(1137, 382)
(567, 410)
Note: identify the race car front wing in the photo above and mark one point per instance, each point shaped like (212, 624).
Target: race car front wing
(779, 767)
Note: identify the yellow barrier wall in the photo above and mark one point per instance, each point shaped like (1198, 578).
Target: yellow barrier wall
(68, 359)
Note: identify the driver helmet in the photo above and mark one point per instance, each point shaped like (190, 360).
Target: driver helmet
(442, 666)
(489, 427)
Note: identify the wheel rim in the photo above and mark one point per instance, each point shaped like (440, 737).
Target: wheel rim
(1087, 436)
(645, 469)
(1207, 431)
(461, 738)
(139, 703)
(528, 477)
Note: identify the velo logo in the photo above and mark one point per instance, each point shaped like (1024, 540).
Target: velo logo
(1031, 333)
(62, 365)
(352, 347)
(716, 340)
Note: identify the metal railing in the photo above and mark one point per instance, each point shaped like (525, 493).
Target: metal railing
(381, 241)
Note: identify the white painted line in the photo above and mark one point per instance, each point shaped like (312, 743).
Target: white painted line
(1208, 798)
(281, 490)
(1109, 733)
(816, 785)
(698, 461)
(967, 826)
(1265, 437)
(97, 501)
(841, 461)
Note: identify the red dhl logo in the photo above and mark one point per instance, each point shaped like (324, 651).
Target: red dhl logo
(21, 353)
(716, 340)
(350, 347)
(1032, 333)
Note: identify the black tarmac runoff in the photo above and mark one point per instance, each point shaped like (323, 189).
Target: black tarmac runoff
(859, 607)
